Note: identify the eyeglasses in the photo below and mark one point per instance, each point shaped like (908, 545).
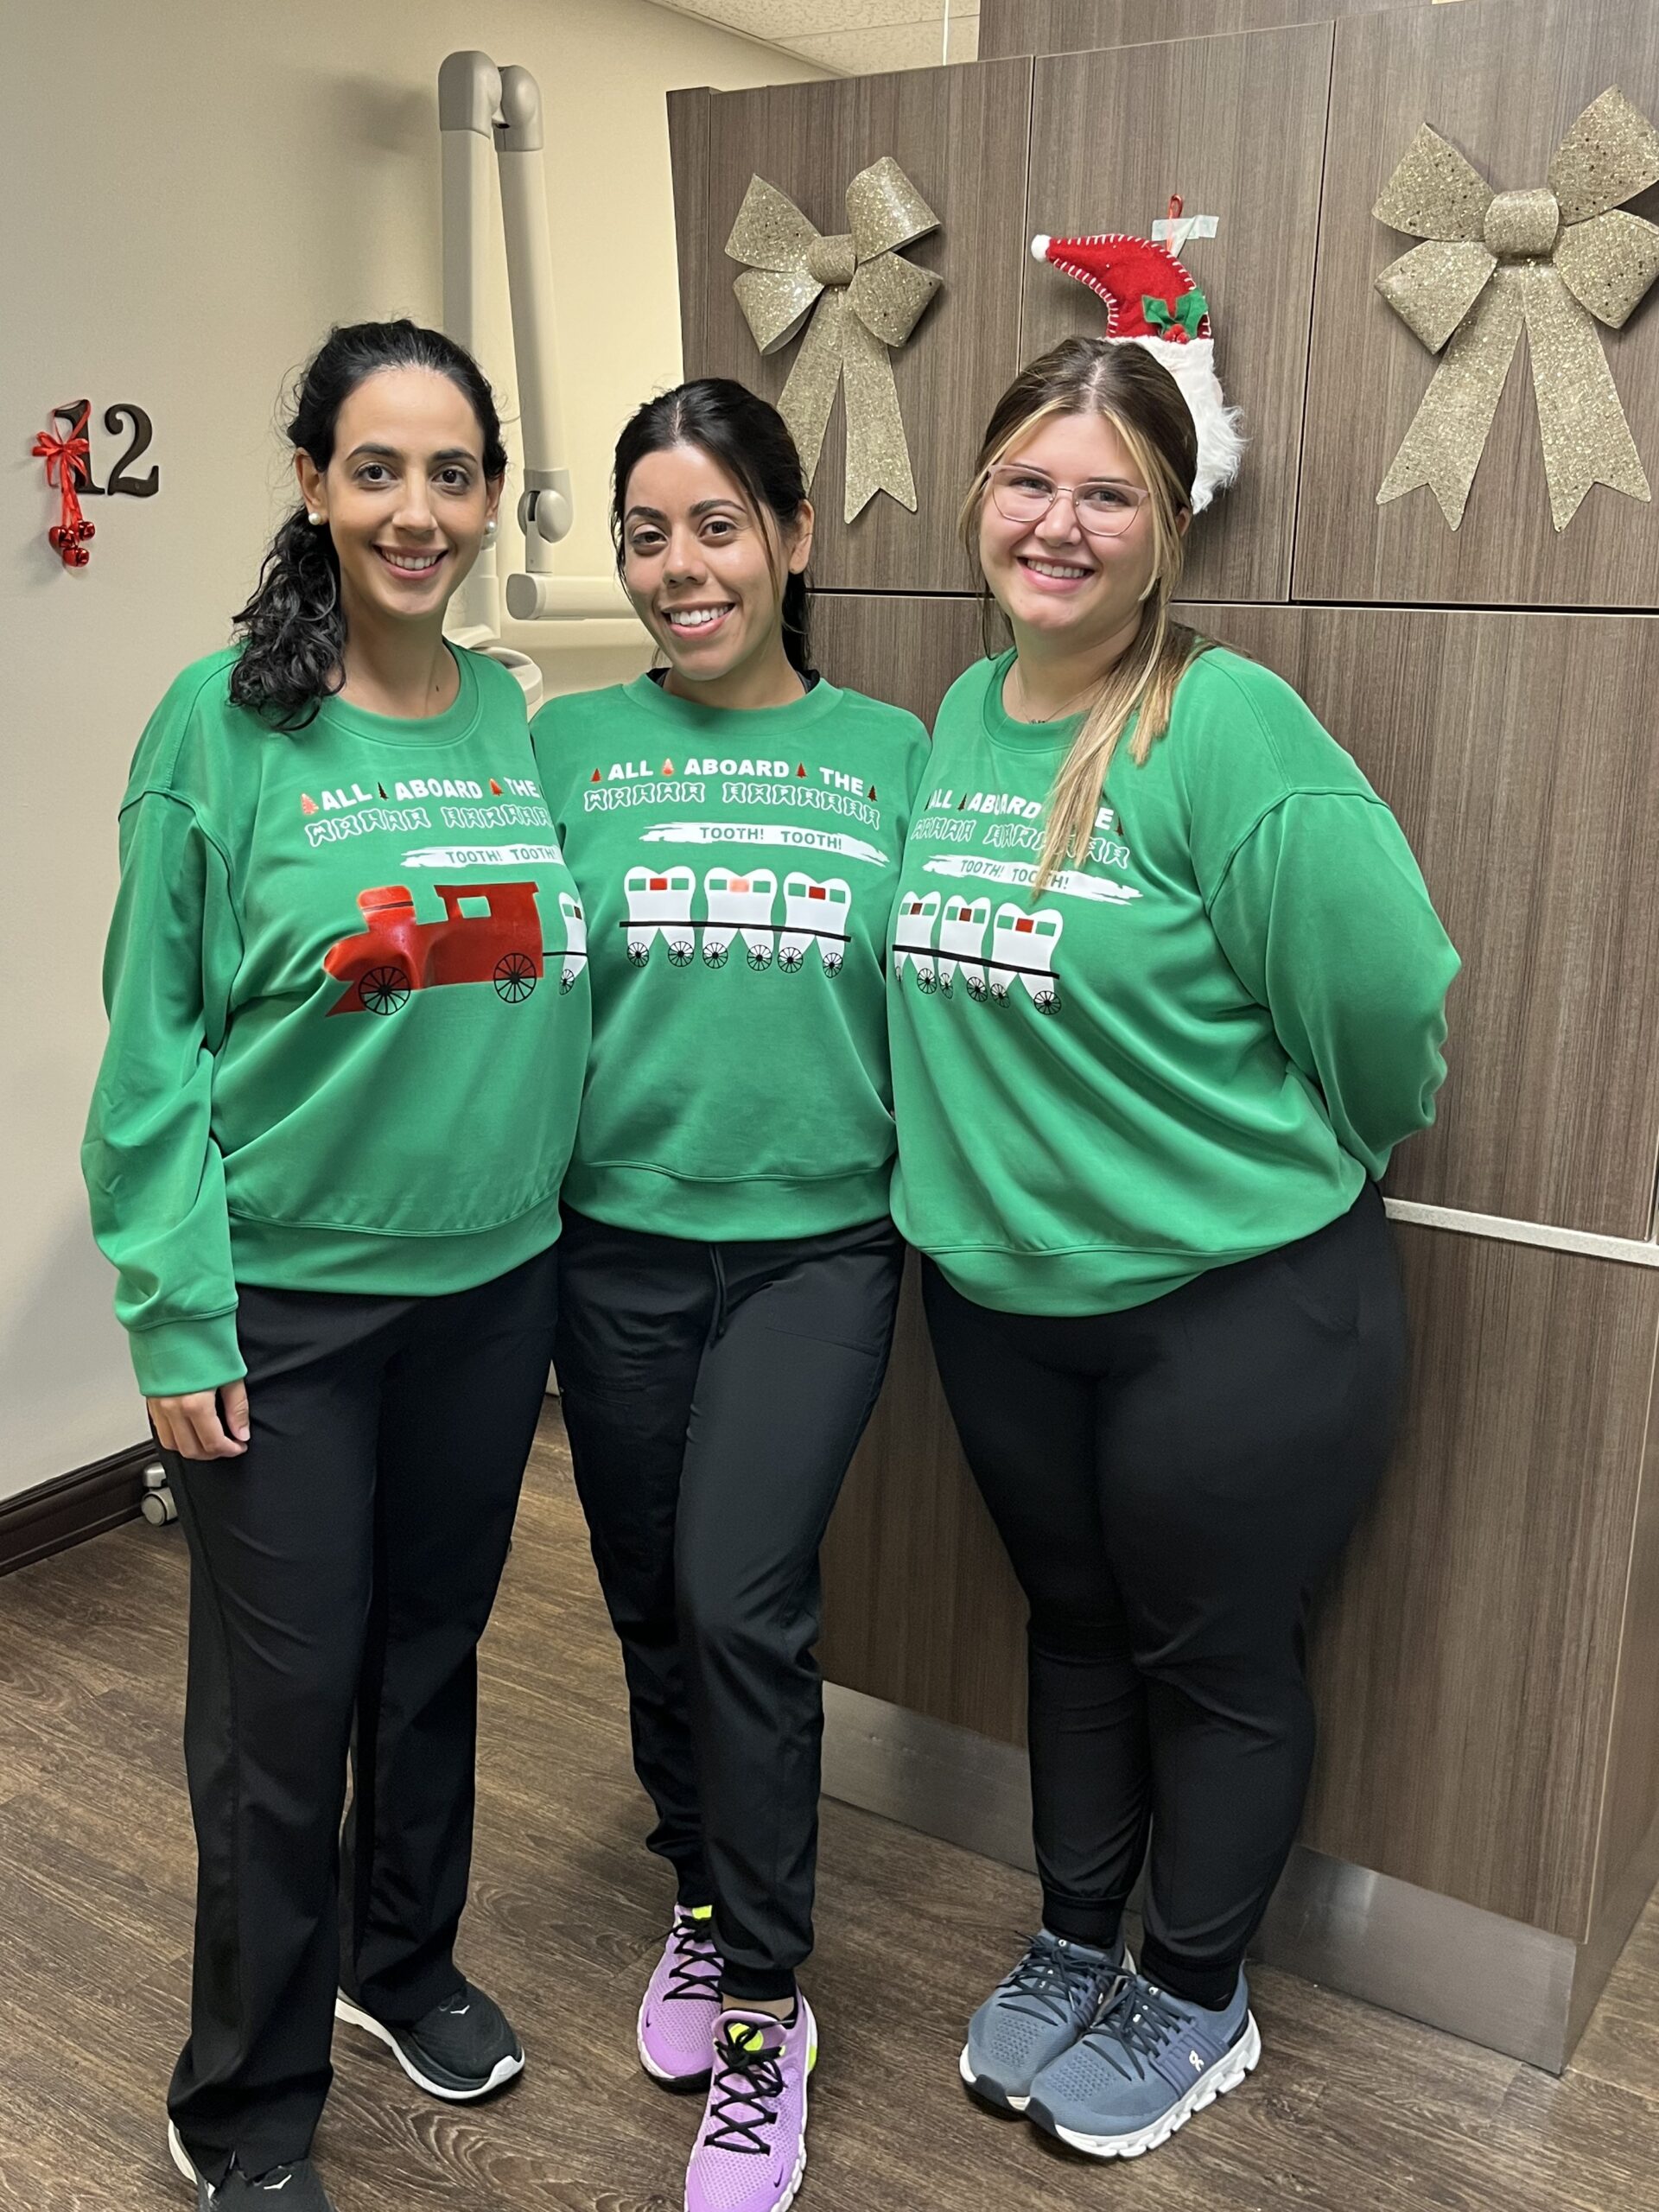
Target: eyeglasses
(1104, 507)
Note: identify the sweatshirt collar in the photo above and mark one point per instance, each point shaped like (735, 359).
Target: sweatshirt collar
(1001, 728)
(751, 724)
(414, 732)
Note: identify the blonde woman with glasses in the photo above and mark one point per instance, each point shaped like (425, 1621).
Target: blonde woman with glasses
(1167, 991)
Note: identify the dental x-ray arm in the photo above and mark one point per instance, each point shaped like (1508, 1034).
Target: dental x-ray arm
(482, 110)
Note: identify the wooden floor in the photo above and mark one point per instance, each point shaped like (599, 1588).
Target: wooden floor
(1351, 2111)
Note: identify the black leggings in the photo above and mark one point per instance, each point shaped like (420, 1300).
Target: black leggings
(714, 1395)
(1171, 1482)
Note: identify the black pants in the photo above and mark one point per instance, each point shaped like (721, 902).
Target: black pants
(714, 1395)
(1171, 1482)
(342, 1572)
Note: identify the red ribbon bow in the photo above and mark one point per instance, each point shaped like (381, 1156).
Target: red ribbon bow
(67, 461)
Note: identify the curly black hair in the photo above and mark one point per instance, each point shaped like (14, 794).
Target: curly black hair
(292, 629)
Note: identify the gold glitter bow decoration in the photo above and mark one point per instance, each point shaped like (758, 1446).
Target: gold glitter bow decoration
(867, 299)
(1548, 260)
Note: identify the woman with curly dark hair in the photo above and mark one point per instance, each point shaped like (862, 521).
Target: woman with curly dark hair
(348, 1022)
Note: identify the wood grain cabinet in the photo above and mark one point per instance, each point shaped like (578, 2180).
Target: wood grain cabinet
(1517, 752)
(1237, 126)
(1502, 81)
(1468, 1652)
(960, 135)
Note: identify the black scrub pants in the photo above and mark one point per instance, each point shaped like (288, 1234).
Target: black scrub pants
(342, 1571)
(714, 1395)
(1171, 1483)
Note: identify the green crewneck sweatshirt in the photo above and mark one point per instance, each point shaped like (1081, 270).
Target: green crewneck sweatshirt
(1192, 1049)
(738, 870)
(348, 1003)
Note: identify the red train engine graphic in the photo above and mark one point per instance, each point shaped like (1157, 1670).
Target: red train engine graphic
(394, 954)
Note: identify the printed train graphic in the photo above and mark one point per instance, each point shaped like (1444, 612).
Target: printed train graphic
(736, 906)
(1023, 946)
(393, 953)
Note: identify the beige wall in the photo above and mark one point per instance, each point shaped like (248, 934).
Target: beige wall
(211, 188)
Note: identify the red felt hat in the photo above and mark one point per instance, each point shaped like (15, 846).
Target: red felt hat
(1152, 301)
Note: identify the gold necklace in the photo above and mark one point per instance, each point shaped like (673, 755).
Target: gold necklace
(1059, 712)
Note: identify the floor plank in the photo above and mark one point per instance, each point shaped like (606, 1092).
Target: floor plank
(1351, 2111)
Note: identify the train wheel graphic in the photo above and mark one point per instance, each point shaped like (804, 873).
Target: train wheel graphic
(791, 959)
(1045, 1002)
(759, 956)
(976, 989)
(714, 953)
(382, 991)
(831, 957)
(926, 981)
(515, 977)
(680, 951)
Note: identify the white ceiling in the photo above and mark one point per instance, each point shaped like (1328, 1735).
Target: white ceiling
(852, 37)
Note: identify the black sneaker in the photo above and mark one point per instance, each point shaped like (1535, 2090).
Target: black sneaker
(461, 2049)
(295, 2188)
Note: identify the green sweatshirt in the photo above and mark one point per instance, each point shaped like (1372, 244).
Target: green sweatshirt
(1193, 1049)
(348, 1003)
(738, 870)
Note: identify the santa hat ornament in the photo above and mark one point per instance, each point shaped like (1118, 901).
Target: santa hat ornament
(1152, 301)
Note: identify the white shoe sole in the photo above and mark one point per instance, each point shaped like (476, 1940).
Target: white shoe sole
(180, 2157)
(505, 2069)
(1004, 2100)
(1228, 2071)
(800, 2174)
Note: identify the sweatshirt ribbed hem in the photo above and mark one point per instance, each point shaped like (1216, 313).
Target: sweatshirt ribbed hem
(1106, 1279)
(385, 1265)
(654, 1201)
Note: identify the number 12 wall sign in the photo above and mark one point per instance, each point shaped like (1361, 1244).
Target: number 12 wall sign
(69, 458)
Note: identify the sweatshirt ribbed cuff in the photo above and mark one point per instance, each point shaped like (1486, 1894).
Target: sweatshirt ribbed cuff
(179, 1356)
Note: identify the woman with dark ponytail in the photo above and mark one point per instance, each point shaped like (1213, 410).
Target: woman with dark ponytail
(348, 1020)
(729, 1267)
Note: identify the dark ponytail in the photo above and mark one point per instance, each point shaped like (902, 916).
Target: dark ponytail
(293, 630)
(751, 441)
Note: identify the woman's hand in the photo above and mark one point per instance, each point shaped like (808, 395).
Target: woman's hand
(203, 1424)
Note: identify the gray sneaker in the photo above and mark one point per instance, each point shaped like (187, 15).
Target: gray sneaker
(1149, 2062)
(1051, 1997)
(294, 2188)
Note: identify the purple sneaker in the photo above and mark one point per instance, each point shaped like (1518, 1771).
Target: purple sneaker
(751, 2150)
(676, 2020)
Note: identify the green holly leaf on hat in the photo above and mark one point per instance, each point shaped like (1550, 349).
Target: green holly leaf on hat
(1186, 316)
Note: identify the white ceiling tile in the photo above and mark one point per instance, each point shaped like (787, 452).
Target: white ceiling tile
(852, 37)
(862, 53)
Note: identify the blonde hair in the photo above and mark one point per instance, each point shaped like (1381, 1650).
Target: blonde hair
(1127, 388)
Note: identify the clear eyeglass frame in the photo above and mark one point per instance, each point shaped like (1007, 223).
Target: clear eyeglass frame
(1015, 495)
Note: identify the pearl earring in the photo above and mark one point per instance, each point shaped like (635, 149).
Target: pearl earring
(314, 519)
(489, 531)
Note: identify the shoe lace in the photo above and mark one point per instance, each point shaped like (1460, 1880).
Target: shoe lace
(696, 1968)
(1134, 2027)
(746, 2074)
(1057, 1983)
